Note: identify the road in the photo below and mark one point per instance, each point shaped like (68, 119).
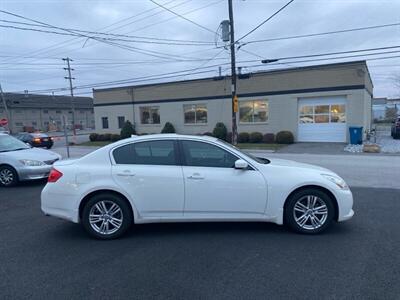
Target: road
(46, 258)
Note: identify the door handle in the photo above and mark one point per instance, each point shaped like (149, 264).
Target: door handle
(126, 174)
(196, 177)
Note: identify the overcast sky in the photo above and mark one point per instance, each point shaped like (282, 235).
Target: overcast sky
(32, 60)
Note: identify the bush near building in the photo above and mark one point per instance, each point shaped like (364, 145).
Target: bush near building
(269, 138)
(127, 130)
(168, 128)
(115, 137)
(255, 137)
(220, 131)
(93, 137)
(284, 137)
(243, 137)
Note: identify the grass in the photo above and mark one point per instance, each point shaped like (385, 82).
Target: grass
(95, 144)
(252, 146)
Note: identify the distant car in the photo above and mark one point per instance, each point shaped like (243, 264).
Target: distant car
(36, 139)
(178, 178)
(3, 130)
(20, 162)
(396, 128)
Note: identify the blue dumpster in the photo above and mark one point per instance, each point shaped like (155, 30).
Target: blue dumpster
(355, 135)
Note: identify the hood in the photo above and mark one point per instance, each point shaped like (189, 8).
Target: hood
(291, 163)
(33, 154)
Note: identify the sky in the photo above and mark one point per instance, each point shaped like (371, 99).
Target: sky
(32, 60)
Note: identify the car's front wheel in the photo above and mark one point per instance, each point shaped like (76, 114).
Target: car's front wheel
(309, 211)
(106, 216)
(8, 176)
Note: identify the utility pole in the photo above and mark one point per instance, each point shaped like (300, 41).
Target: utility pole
(70, 78)
(6, 109)
(233, 75)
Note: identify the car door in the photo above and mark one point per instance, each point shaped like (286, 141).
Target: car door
(149, 171)
(214, 188)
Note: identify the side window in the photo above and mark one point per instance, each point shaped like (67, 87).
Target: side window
(146, 153)
(201, 154)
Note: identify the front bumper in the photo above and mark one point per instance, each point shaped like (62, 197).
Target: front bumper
(32, 173)
(345, 204)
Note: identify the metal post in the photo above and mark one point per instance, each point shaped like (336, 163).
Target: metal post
(64, 120)
(70, 78)
(9, 125)
(233, 75)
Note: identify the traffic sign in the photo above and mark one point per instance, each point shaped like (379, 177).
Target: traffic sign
(3, 122)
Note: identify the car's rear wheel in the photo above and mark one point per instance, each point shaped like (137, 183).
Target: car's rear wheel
(309, 211)
(8, 176)
(106, 216)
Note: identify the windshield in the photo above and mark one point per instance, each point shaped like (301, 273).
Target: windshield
(9, 143)
(260, 160)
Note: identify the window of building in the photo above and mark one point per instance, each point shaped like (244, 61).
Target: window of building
(70, 112)
(334, 113)
(150, 115)
(254, 111)
(58, 111)
(19, 124)
(121, 121)
(34, 123)
(195, 113)
(201, 154)
(146, 153)
(104, 122)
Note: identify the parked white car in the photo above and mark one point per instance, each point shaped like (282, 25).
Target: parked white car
(21, 162)
(177, 178)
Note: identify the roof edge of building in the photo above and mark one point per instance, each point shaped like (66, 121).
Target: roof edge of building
(260, 73)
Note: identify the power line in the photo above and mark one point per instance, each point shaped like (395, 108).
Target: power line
(265, 21)
(184, 18)
(321, 33)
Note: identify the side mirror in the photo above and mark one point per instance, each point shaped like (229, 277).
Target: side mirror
(241, 164)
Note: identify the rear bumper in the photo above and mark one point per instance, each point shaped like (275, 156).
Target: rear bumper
(32, 173)
(59, 205)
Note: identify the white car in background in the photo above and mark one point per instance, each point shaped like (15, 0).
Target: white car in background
(177, 178)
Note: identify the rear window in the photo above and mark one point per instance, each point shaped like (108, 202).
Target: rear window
(146, 153)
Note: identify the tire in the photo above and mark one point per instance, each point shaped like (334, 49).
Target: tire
(105, 227)
(8, 176)
(48, 147)
(298, 210)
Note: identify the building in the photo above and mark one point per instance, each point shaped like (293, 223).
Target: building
(381, 105)
(44, 112)
(316, 103)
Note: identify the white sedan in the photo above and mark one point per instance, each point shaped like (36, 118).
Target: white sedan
(177, 178)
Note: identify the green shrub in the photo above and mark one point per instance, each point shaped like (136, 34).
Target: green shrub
(256, 137)
(93, 137)
(168, 128)
(127, 130)
(243, 137)
(220, 131)
(284, 137)
(115, 137)
(269, 138)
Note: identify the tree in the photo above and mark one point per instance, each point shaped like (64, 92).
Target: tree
(127, 130)
(168, 128)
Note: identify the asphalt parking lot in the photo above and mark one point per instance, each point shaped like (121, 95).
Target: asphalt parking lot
(43, 257)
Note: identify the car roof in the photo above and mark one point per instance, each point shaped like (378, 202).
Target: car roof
(162, 136)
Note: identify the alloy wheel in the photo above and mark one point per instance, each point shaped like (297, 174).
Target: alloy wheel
(310, 212)
(6, 176)
(106, 217)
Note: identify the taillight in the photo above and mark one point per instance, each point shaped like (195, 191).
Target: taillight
(54, 175)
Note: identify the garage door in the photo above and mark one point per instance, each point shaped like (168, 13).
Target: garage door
(322, 119)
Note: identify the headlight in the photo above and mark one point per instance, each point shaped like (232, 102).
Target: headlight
(32, 163)
(337, 180)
